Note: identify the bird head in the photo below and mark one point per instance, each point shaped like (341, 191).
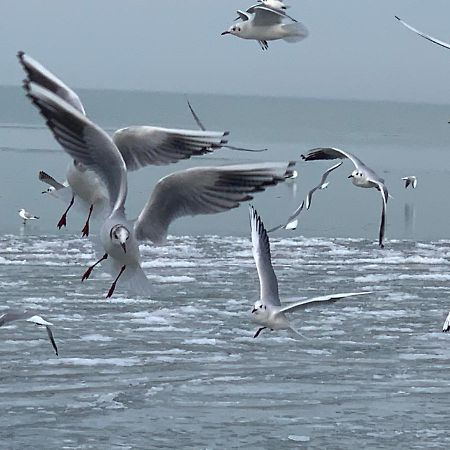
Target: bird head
(120, 235)
(259, 311)
(234, 29)
(356, 175)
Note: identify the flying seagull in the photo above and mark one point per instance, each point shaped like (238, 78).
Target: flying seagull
(446, 327)
(411, 180)
(29, 316)
(292, 221)
(268, 311)
(266, 24)
(362, 176)
(203, 190)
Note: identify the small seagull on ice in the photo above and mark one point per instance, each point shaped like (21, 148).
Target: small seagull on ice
(25, 215)
(411, 180)
(29, 316)
(266, 25)
(268, 311)
(362, 176)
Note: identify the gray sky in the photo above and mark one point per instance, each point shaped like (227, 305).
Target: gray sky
(356, 49)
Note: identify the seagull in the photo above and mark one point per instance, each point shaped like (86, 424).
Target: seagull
(268, 311)
(202, 190)
(25, 215)
(426, 36)
(446, 327)
(139, 145)
(29, 316)
(274, 5)
(411, 180)
(266, 25)
(292, 222)
(362, 176)
(293, 177)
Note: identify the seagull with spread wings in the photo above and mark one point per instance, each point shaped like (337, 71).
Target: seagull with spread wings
(268, 312)
(202, 190)
(264, 24)
(362, 176)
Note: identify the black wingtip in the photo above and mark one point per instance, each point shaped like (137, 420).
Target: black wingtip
(398, 18)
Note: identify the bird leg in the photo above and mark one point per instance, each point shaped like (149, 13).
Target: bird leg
(88, 272)
(264, 45)
(62, 222)
(113, 286)
(259, 331)
(85, 229)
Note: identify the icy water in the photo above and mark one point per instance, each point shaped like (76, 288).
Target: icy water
(180, 368)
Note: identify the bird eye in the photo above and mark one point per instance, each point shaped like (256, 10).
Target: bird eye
(260, 306)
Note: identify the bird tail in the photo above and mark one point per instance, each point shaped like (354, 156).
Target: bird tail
(295, 32)
(137, 282)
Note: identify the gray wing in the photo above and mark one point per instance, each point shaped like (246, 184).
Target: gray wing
(141, 146)
(252, 10)
(324, 153)
(385, 196)
(242, 15)
(52, 340)
(265, 16)
(289, 225)
(316, 301)
(446, 327)
(38, 74)
(204, 190)
(12, 316)
(424, 35)
(261, 253)
(83, 141)
(321, 184)
(46, 178)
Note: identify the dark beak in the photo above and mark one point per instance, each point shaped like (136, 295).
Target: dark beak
(224, 33)
(350, 176)
(124, 247)
(253, 310)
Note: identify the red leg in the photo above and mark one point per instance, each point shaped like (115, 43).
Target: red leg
(113, 286)
(62, 222)
(88, 272)
(85, 229)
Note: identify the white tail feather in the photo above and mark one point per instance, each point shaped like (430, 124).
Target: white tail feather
(297, 32)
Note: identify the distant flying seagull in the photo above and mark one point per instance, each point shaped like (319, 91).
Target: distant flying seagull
(362, 176)
(266, 25)
(25, 215)
(421, 33)
(446, 327)
(411, 180)
(292, 221)
(268, 311)
(29, 316)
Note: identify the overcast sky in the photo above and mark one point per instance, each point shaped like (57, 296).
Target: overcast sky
(356, 49)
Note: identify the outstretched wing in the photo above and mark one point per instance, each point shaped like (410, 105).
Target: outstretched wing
(141, 146)
(253, 10)
(266, 16)
(52, 339)
(323, 153)
(261, 253)
(385, 196)
(46, 178)
(38, 74)
(244, 16)
(204, 190)
(424, 35)
(83, 140)
(319, 301)
(446, 327)
(321, 185)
